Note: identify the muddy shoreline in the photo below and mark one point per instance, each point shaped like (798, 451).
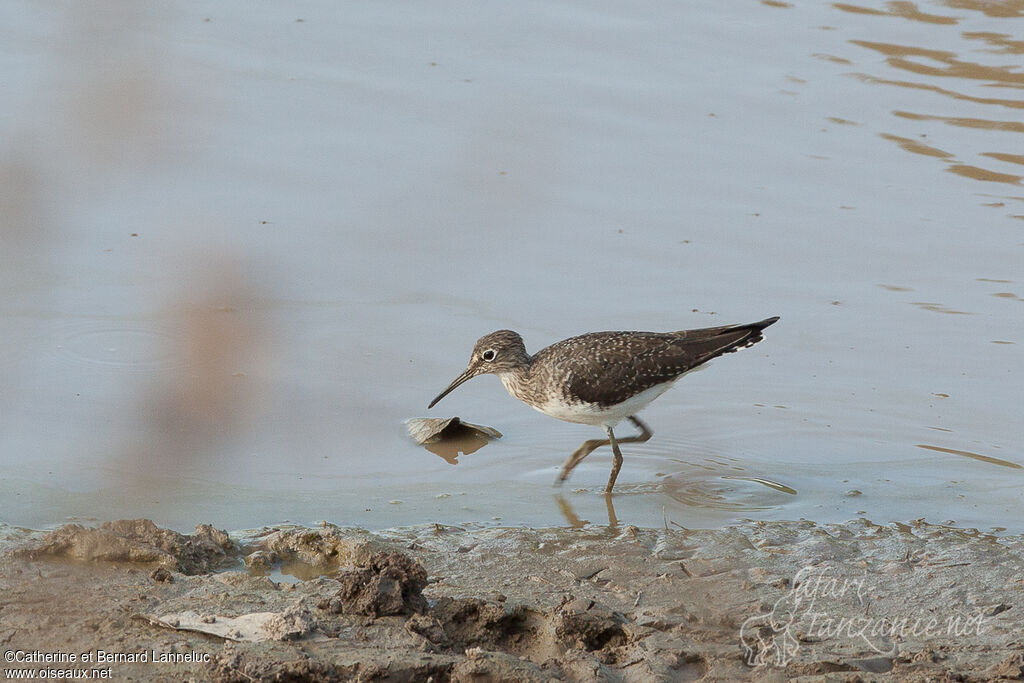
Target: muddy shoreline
(755, 601)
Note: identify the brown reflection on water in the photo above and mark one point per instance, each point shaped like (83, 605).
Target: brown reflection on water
(908, 10)
(1006, 8)
(452, 447)
(973, 456)
(938, 308)
(903, 10)
(912, 59)
(1015, 104)
(978, 173)
(857, 9)
(964, 170)
(950, 68)
(1005, 44)
(963, 122)
(917, 147)
(1008, 158)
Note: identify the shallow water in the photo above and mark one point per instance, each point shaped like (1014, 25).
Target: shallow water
(240, 246)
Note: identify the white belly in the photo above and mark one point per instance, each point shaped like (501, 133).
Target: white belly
(583, 413)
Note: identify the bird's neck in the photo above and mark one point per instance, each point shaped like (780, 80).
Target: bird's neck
(517, 382)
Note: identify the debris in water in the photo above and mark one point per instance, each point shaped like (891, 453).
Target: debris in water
(428, 430)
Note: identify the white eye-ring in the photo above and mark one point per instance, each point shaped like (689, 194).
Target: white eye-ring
(488, 355)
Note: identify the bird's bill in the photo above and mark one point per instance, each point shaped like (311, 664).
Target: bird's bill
(469, 374)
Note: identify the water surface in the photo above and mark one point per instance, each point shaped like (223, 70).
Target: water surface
(240, 246)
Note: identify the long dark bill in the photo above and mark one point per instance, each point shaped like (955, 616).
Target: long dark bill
(467, 375)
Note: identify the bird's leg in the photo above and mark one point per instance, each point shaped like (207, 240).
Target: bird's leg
(590, 445)
(583, 451)
(644, 435)
(616, 459)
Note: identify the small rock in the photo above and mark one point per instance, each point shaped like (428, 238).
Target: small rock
(875, 665)
(292, 624)
(161, 575)
(998, 609)
(427, 627)
(261, 561)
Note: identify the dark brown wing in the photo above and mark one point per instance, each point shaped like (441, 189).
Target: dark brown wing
(606, 368)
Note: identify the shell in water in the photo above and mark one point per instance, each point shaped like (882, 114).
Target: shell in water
(428, 430)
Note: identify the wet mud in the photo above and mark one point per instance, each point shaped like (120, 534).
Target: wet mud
(758, 601)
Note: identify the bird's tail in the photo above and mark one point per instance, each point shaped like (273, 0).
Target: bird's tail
(711, 342)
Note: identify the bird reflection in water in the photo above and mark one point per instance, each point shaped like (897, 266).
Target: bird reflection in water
(573, 520)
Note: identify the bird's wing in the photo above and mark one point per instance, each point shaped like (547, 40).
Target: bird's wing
(606, 368)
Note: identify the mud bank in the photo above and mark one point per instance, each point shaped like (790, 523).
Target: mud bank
(758, 601)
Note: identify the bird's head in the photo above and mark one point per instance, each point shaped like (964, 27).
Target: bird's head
(496, 353)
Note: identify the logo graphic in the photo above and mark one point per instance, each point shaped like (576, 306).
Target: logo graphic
(825, 605)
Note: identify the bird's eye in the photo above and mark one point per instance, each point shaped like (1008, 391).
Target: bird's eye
(488, 355)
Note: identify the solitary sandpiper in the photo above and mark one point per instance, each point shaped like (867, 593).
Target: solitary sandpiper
(601, 377)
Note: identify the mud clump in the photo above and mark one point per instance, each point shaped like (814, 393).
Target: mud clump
(235, 667)
(138, 541)
(497, 667)
(294, 623)
(261, 561)
(1011, 668)
(518, 642)
(325, 548)
(581, 624)
(391, 584)
(473, 622)
(429, 628)
(161, 575)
